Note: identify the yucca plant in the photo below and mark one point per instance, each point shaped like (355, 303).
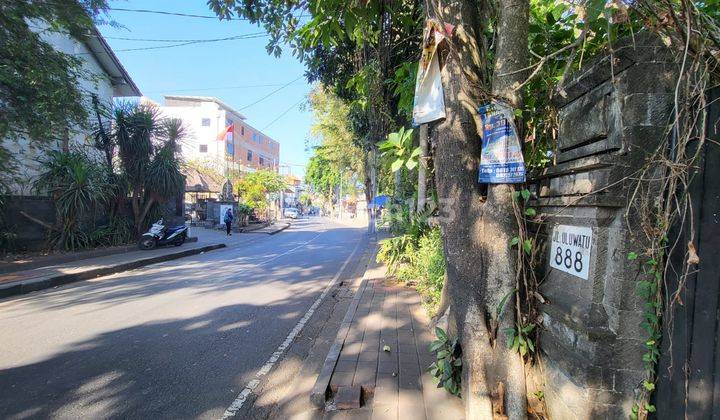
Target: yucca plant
(147, 146)
(118, 231)
(77, 184)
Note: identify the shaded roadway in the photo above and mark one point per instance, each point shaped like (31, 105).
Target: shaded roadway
(172, 340)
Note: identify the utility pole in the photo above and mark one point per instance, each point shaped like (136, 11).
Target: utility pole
(340, 196)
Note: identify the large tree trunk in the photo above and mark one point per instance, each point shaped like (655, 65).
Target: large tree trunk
(481, 266)
(511, 55)
(370, 187)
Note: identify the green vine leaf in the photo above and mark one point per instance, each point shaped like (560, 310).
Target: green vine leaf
(530, 212)
(503, 301)
(527, 246)
(440, 333)
(514, 241)
(632, 256)
(525, 194)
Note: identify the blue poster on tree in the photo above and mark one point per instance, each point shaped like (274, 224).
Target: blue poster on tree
(501, 158)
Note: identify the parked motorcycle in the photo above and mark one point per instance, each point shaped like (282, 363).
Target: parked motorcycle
(160, 235)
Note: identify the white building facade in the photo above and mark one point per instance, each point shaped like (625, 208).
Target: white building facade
(220, 136)
(111, 80)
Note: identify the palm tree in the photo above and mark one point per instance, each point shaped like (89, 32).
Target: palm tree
(147, 146)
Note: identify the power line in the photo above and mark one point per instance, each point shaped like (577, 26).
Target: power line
(162, 12)
(218, 88)
(270, 94)
(282, 114)
(182, 44)
(173, 40)
(204, 41)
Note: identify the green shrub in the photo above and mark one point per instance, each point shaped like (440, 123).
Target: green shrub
(118, 232)
(426, 268)
(447, 369)
(420, 262)
(78, 185)
(244, 209)
(396, 251)
(7, 241)
(7, 237)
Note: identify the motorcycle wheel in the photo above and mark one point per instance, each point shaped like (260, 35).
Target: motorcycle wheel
(180, 241)
(147, 242)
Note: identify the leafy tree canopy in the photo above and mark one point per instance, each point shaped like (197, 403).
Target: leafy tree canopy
(332, 131)
(39, 91)
(254, 187)
(322, 175)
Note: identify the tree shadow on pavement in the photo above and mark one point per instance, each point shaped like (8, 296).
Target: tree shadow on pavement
(179, 368)
(294, 263)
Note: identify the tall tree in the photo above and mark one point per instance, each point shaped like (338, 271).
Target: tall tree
(322, 175)
(477, 227)
(39, 90)
(147, 147)
(254, 187)
(331, 130)
(354, 46)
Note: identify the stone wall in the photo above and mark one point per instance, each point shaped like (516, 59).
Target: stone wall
(30, 236)
(615, 111)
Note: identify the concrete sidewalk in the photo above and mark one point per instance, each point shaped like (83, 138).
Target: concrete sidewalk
(361, 380)
(26, 281)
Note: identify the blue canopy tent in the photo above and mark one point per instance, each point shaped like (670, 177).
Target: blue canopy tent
(379, 201)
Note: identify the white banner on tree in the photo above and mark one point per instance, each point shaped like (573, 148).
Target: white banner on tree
(429, 102)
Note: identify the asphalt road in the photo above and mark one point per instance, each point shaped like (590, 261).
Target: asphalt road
(173, 340)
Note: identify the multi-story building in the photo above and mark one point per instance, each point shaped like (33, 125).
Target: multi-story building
(220, 135)
(106, 79)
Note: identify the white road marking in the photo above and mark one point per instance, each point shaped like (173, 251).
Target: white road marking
(290, 250)
(267, 367)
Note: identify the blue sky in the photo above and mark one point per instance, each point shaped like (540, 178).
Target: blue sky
(222, 69)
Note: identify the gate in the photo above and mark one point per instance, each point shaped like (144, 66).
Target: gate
(689, 369)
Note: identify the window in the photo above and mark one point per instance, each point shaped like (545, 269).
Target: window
(242, 130)
(206, 122)
(249, 156)
(261, 160)
(203, 148)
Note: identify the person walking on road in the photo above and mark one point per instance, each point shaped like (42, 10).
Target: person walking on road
(228, 219)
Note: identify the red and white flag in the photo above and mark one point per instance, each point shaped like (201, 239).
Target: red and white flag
(227, 133)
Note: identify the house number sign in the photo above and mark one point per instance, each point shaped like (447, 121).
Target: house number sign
(570, 249)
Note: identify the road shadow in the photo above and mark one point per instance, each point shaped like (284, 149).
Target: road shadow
(181, 367)
(290, 259)
(185, 368)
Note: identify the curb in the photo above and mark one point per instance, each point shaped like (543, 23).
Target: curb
(287, 225)
(7, 268)
(46, 283)
(245, 229)
(322, 384)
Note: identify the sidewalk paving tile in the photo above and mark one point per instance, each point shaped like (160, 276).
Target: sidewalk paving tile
(394, 384)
